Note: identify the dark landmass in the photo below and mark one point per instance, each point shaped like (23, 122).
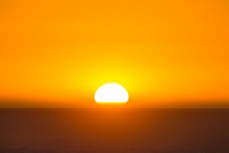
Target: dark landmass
(114, 130)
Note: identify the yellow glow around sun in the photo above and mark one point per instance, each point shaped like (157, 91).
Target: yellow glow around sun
(111, 93)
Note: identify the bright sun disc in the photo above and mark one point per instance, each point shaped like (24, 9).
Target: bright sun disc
(111, 93)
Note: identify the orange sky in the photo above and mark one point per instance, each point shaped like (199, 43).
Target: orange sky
(165, 53)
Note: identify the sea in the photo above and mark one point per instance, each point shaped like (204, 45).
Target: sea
(114, 130)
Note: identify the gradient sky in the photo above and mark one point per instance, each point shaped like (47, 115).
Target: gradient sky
(168, 53)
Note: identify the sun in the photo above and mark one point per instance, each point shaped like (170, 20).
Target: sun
(111, 93)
